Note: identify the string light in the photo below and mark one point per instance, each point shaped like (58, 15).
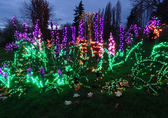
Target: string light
(64, 42)
(121, 38)
(153, 27)
(49, 67)
(112, 44)
(73, 34)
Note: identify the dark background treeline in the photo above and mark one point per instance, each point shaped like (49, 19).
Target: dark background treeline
(141, 12)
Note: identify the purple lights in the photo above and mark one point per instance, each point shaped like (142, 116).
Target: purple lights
(36, 29)
(73, 34)
(14, 22)
(2, 73)
(11, 46)
(133, 29)
(154, 23)
(29, 71)
(121, 38)
(59, 72)
(101, 22)
(96, 28)
(64, 42)
(81, 29)
(42, 72)
(25, 27)
(52, 31)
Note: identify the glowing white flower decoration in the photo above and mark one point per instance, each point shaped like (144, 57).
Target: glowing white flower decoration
(118, 93)
(67, 102)
(76, 95)
(90, 94)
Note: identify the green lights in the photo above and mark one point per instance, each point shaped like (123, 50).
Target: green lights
(143, 72)
(45, 68)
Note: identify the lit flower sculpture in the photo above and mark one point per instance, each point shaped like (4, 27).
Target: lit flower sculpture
(112, 45)
(153, 27)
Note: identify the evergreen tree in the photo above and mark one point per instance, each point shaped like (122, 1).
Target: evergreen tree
(114, 20)
(77, 15)
(118, 14)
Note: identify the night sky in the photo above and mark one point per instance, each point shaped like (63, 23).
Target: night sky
(61, 9)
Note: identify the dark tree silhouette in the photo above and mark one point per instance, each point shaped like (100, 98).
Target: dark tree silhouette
(7, 34)
(142, 11)
(107, 21)
(118, 14)
(39, 9)
(147, 3)
(162, 11)
(114, 20)
(77, 15)
(135, 17)
(101, 12)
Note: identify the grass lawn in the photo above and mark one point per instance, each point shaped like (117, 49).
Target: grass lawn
(133, 104)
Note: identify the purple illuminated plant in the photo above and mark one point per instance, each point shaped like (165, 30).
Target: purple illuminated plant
(11, 46)
(25, 27)
(5, 66)
(96, 28)
(56, 32)
(29, 71)
(3, 74)
(59, 72)
(64, 42)
(153, 23)
(58, 49)
(121, 38)
(42, 72)
(13, 21)
(101, 29)
(133, 29)
(81, 29)
(36, 29)
(52, 31)
(73, 34)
